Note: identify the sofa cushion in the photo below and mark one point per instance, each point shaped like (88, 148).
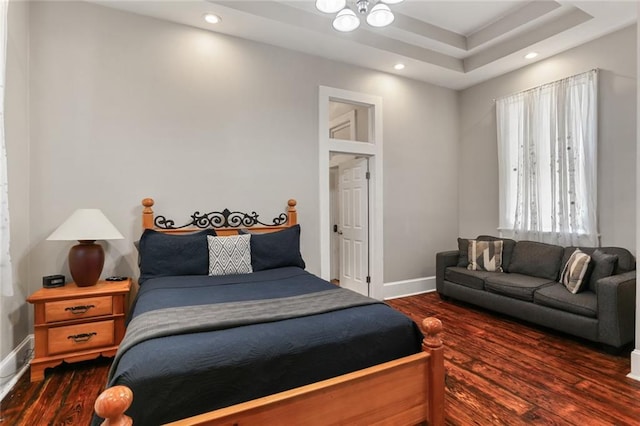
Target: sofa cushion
(557, 296)
(603, 266)
(626, 261)
(467, 278)
(507, 249)
(485, 255)
(463, 252)
(574, 273)
(514, 285)
(537, 259)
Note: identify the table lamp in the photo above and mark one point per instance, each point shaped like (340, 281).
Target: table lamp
(86, 259)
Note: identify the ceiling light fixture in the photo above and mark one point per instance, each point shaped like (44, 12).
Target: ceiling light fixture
(346, 20)
(330, 6)
(211, 18)
(377, 13)
(531, 55)
(398, 66)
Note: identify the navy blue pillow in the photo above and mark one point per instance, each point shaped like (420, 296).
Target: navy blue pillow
(276, 249)
(163, 254)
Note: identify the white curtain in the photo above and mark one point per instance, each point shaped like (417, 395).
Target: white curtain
(6, 282)
(547, 155)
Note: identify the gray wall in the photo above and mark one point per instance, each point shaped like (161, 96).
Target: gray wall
(14, 322)
(615, 56)
(124, 107)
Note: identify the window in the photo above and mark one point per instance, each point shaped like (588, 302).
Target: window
(349, 121)
(547, 159)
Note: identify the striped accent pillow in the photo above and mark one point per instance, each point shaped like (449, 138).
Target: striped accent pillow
(574, 273)
(230, 255)
(485, 255)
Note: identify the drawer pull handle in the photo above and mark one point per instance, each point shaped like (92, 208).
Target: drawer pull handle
(77, 310)
(81, 338)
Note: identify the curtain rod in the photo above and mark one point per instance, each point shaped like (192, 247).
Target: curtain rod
(546, 84)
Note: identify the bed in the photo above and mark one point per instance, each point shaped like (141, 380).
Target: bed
(277, 345)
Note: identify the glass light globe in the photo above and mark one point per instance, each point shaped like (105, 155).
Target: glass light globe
(330, 6)
(380, 16)
(346, 20)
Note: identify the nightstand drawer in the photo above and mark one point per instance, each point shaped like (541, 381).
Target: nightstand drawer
(73, 338)
(78, 308)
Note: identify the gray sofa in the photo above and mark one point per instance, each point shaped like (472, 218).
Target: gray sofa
(528, 289)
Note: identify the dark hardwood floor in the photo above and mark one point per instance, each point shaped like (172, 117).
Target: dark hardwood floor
(503, 372)
(498, 372)
(64, 397)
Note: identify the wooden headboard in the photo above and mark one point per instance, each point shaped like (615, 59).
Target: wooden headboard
(225, 222)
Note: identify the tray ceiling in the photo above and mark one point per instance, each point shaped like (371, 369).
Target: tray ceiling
(454, 44)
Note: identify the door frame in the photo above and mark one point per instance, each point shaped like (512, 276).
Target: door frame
(372, 149)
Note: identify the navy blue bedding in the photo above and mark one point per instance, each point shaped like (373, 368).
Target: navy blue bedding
(184, 375)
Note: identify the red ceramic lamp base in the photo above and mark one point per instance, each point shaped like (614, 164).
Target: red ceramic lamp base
(85, 263)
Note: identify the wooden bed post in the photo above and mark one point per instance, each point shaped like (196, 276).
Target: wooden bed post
(111, 405)
(432, 344)
(292, 213)
(147, 213)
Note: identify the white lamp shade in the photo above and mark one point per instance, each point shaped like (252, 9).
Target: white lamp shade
(330, 6)
(391, 1)
(86, 224)
(380, 16)
(346, 20)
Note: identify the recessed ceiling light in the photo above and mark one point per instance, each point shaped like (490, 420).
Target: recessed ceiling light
(211, 18)
(399, 66)
(531, 55)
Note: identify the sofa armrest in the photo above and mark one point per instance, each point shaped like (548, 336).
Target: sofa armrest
(616, 308)
(444, 259)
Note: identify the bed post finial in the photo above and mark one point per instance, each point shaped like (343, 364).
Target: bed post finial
(292, 213)
(147, 213)
(111, 405)
(432, 327)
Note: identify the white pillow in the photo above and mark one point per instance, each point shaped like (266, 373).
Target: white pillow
(229, 255)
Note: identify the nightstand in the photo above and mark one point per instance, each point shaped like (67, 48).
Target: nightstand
(77, 323)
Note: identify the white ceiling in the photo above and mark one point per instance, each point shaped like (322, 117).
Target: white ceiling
(451, 43)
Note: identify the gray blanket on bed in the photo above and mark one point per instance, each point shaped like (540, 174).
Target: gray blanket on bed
(219, 316)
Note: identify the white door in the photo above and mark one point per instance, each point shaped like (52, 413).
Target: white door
(354, 225)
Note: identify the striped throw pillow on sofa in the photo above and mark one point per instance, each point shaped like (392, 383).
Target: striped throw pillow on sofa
(574, 273)
(485, 255)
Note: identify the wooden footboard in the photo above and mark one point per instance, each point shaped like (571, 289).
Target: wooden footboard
(406, 391)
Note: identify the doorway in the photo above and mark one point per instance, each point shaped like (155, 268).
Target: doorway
(350, 133)
(349, 186)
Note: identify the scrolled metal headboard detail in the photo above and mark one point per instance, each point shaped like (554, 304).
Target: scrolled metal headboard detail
(223, 219)
(225, 222)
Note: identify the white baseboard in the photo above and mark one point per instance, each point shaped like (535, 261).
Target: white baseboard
(635, 365)
(405, 288)
(14, 365)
